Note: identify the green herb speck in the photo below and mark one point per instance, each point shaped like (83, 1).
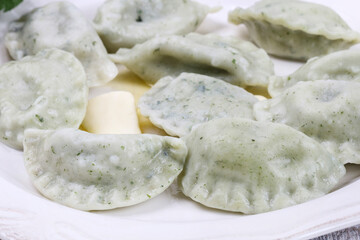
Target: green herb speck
(79, 153)
(148, 195)
(53, 150)
(139, 18)
(41, 119)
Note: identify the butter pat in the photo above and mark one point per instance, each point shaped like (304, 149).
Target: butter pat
(112, 113)
(128, 81)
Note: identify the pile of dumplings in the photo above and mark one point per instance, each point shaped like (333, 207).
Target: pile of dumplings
(227, 149)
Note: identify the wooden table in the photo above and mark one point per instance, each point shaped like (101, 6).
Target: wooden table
(352, 233)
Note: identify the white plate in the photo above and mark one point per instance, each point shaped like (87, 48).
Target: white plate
(25, 214)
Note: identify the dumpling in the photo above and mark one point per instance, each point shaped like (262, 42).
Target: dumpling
(61, 25)
(97, 172)
(176, 105)
(251, 167)
(235, 61)
(45, 91)
(341, 65)
(295, 29)
(326, 110)
(124, 23)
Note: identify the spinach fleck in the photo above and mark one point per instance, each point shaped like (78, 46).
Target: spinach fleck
(53, 150)
(41, 119)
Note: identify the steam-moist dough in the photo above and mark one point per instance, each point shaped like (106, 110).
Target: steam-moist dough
(295, 29)
(326, 110)
(124, 23)
(246, 166)
(235, 61)
(96, 172)
(341, 65)
(45, 91)
(176, 105)
(61, 25)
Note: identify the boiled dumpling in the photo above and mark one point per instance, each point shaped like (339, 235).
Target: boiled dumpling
(326, 110)
(295, 29)
(341, 65)
(124, 23)
(246, 166)
(61, 25)
(176, 105)
(235, 61)
(45, 91)
(94, 172)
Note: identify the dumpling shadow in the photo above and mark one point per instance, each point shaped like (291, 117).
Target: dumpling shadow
(172, 197)
(217, 211)
(352, 175)
(242, 33)
(210, 26)
(147, 207)
(301, 61)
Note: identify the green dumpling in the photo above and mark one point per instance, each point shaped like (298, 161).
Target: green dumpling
(341, 65)
(295, 29)
(97, 172)
(325, 110)
(233, 60)
(179, 104)
(246, 166)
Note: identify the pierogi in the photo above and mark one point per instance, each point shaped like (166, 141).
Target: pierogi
(125, 23)
(341, 65)
(326, 110)
(295, 29)
(61, 25)
(251, 167)
(238, 62)
(97, 172)
(45, 91)
(177, 105)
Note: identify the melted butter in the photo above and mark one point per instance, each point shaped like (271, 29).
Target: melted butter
(128, 81)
